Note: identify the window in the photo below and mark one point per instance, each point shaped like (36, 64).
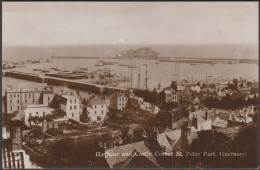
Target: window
(47, 126)
(10, 101)
(72, 114)
(102, 111)
(29, 95)
(48, 98)
(70, 100)
(102, 105)
(18, 101)
(25, 100)
(17, 95)
(43, 113)
(11, 108)
(30, 114)
(37, 113)
(25, 95)
(75, 107)
(95, 112)
(18, 107)
(98, 118)
(120, 100)
(95, 106)
(14, 95)
(70, 107)
(33, 95)
(33, 100)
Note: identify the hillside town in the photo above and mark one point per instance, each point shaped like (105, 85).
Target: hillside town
(186, 124)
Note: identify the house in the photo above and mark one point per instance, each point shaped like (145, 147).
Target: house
(200, 121)
(53, 124)
(134, 155)
(170, 95)
(195, 100)
(97, 110)
(36, 111)
(195, 88)
(16, 99)
(118, 101)
(70, 105)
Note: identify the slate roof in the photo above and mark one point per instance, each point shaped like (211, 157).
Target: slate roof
(129, 148)
(96, 102)
(169, 139)
(230, 131)
(220, 123)
(135, 161)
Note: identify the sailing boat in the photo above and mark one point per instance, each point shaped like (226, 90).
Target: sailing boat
(176, 72)
(132, 66)
(123, 64)
(99, 63)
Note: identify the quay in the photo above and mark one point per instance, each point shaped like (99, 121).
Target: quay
(95, 88)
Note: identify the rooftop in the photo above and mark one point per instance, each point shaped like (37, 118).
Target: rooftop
(129, 148)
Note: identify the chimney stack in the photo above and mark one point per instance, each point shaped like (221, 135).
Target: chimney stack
(195, 121)
(174, 123)
(230, 115)
(216, 111)
(184, 138)
(206, 115)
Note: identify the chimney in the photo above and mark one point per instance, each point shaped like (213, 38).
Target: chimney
(174, 123)
(230, 115)
(246, 117)
(184, 138)
(195, 121)
(206, 115)
(216, 111)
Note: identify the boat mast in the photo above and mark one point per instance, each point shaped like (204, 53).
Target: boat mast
(146, 79)
(139, 77)
(131, 77)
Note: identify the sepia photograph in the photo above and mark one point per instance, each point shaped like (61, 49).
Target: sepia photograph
(130, 84)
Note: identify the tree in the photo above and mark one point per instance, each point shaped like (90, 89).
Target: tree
(246, 141)
(210, 142)
(174, 85)
(84, 116)
(54, 132)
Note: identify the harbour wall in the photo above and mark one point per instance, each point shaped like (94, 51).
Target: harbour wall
(75, 84)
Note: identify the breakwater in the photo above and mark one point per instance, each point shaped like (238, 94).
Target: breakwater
(75, 84)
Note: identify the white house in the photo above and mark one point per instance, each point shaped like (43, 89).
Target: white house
(171, 95)
(36, 110)
(118, 101)
(200, 121)
(70, 104)
(195, 88)
(97, 110)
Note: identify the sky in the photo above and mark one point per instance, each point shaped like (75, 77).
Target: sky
(84, 23)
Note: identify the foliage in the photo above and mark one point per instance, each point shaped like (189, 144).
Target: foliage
(148, 96)
(84, 116)
(55, 101)
(174, 85)
(73, 153)
(244, 142)
(54, 132)
(229, 104)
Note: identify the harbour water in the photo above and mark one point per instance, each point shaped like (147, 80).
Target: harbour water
(162, 73)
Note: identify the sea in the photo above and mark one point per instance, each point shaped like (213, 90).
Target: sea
(162, 73)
